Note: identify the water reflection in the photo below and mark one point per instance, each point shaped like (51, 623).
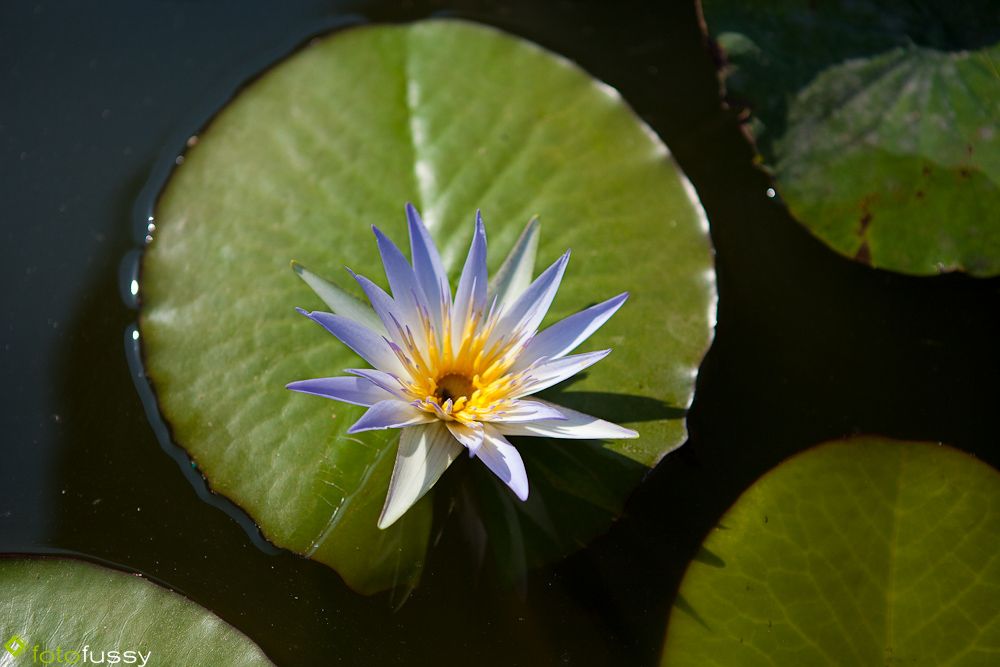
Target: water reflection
(133, 354)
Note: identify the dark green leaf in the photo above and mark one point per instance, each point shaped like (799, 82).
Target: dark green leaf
(882, 124)
(867, 551)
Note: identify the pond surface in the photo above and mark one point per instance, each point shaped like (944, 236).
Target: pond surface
(809, 347)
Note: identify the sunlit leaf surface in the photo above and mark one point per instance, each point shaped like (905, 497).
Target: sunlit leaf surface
(65, 606)
(453, 117)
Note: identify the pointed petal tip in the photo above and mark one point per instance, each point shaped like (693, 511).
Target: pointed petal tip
(297, 268)
(386, 519)
(413, 215)
(519, 487)
(303, 311)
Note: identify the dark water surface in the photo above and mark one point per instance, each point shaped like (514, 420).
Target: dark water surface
(809, 347)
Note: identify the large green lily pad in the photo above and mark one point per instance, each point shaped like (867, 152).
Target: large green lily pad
(867, 551)
(881, 123)
(59, 608)
(453, 117)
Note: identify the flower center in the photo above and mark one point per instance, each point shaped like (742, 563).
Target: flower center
(465, 379)
(454, 386)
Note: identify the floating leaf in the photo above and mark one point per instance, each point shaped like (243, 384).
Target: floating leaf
(453, 117)
(882, 124)
(867, 551)
(65, 606)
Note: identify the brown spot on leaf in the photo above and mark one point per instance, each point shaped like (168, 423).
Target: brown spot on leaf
(926, 170)
(964, 172)
(864, 254)
(866, 220)
(920, 194)
(716, 54)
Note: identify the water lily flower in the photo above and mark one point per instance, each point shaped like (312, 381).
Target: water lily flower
(455, 372)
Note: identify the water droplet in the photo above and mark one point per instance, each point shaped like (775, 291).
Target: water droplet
(134, 288)
(770, 192)
(135, 334)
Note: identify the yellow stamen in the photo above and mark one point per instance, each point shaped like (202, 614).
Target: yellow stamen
(466, 386)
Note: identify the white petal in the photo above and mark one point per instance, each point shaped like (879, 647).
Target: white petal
(425, 452)
(391, 413)
(338, 300)
(564, 336)
(514, 275)
(575, 426)
(527, 411)
(369, 345)
(471, 438)
(502, 458)
(553, 372)
(354, 390)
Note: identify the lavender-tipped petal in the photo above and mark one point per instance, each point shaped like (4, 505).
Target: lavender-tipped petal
(553, 372)
(565, 335)
(354, 390)
(391, 413)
